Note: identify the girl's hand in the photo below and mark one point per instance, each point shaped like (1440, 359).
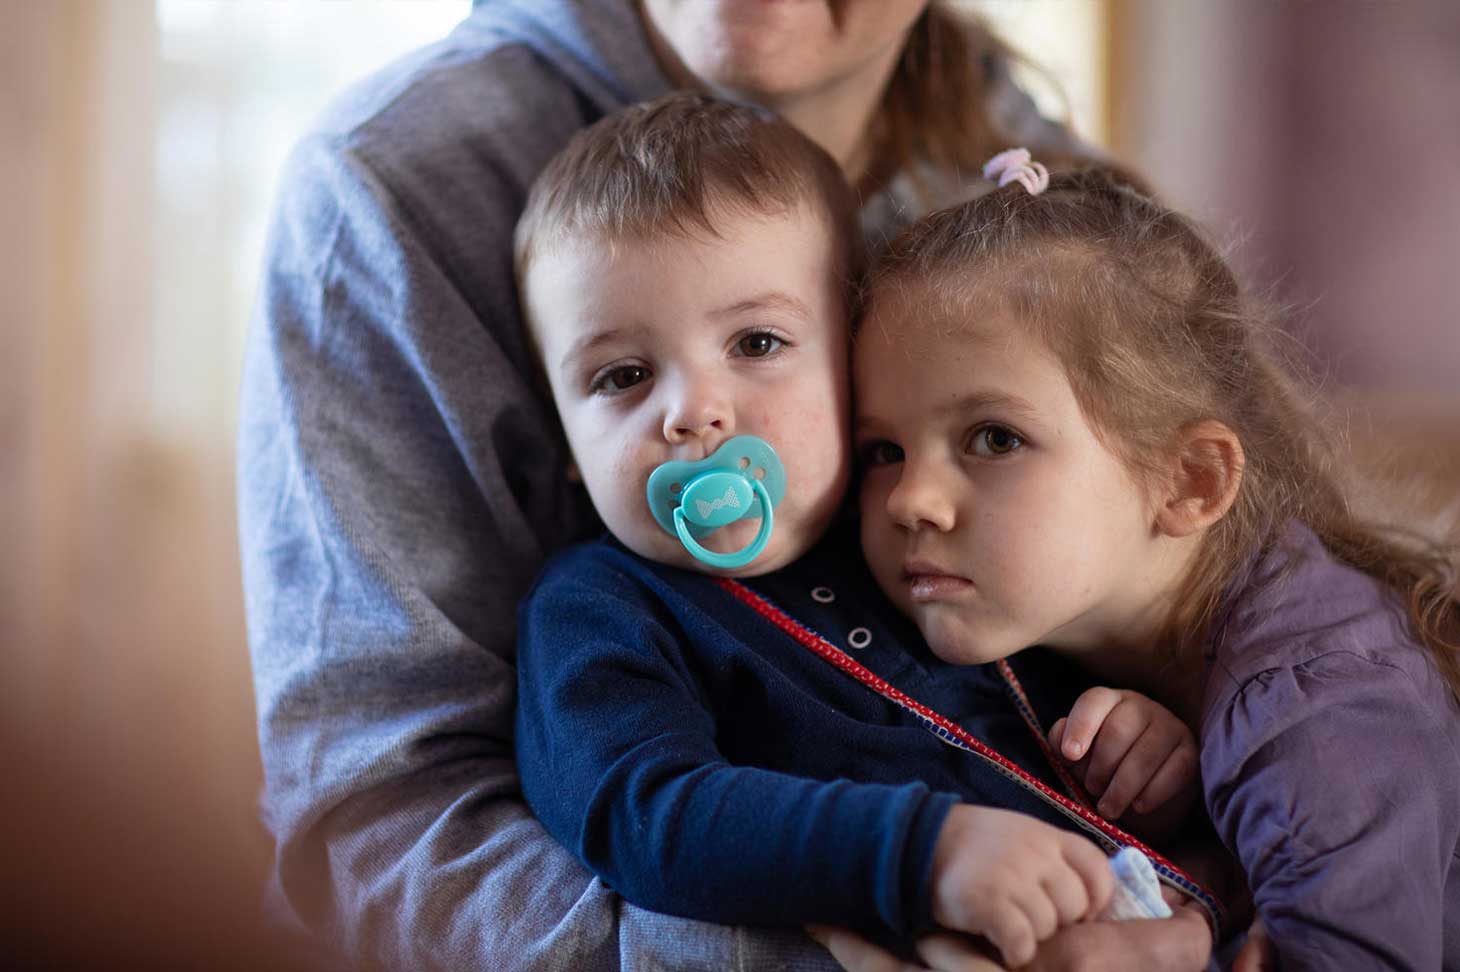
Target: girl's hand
(1014, 879)
(1133, 754)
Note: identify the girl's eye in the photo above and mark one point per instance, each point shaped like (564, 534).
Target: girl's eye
(759, 344)
(881, 453)
(620, 379)
(995, 440)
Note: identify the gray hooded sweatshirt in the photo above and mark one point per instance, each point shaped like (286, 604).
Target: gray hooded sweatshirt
(401, 481)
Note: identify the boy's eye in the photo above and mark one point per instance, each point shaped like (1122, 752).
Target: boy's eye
(620, 379)
(759, 344)
(882, 453)
(995, 440)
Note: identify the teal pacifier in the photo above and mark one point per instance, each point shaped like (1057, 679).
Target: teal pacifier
(743, 479)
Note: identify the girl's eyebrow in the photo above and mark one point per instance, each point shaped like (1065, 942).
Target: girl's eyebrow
(975, 401)
(989, 401)
(864, 425)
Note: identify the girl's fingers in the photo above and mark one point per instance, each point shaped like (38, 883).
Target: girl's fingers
(1085, 719)
(1056, 743)
(1122, 727)
(1137, 768)
(1057, 735)
(1178, 772)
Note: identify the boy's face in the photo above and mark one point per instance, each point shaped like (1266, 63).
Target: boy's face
(991, 513)
(660, 350)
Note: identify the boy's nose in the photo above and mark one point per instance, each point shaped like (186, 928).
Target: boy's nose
(919, 502)
(699, 411)
(683, 429)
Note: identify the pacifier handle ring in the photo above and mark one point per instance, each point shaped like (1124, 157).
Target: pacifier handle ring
(740, 557)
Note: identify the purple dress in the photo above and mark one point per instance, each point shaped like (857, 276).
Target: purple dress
(1331, 765)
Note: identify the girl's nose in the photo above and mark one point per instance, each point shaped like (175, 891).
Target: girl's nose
(700, 408)
(921, 501)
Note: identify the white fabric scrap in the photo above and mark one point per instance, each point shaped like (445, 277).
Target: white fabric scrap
(1137, 889)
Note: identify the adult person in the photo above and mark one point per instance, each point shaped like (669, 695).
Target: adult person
(402, 477)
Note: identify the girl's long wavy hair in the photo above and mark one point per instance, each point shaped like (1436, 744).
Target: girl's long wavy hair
(1155, 334)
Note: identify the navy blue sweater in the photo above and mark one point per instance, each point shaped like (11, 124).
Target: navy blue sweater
(703, 763)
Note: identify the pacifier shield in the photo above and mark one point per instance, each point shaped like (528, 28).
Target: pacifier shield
(716, 491)
(745, 457)
(716, 499)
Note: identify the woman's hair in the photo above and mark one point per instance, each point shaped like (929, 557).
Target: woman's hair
(937, 107)
(1155, 335)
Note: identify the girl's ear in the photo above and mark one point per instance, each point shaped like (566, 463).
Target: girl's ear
(1205, 473)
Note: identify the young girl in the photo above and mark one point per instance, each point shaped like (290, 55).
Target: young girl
(1074, 434)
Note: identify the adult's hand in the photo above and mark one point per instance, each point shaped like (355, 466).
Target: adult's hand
(1181, 943)
(940, 952)
(1257, 953)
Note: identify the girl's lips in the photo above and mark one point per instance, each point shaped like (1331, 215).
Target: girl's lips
(936, 587)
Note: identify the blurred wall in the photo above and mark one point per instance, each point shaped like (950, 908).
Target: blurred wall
(140, 141)
(124, 662)
(1324, 139)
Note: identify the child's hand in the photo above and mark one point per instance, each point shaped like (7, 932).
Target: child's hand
(1014, 879)
(1133, 753)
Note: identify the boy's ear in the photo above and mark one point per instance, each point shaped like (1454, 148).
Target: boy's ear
(574, 475)
(1204, 476)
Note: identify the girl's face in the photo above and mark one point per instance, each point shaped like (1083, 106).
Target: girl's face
(991, 513)
(771, 50)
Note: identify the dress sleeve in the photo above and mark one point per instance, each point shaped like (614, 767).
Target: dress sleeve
(1335, 788)
(617, 751)
(399, 483)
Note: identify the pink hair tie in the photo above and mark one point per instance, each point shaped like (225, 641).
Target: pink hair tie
(1017, 165)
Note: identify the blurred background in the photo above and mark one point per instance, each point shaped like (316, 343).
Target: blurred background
(140, 141)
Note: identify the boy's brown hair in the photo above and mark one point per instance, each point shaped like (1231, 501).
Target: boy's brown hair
(669, 166)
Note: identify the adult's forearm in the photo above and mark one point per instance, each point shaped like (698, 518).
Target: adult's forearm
(441, 877)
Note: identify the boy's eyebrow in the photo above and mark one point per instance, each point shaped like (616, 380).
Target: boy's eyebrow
(770, 300)
(595, 339)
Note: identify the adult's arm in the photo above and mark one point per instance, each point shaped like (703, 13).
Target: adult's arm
(616, 744)
(1335, 785)
(399, 485)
